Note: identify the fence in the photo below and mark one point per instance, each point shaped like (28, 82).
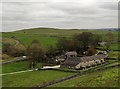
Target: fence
(73, 76)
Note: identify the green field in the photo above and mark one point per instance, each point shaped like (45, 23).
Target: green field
(31, 79)
(113, 54)
(106, 78)
(114, 46)
(17, 66)
(14, 67)
(36, 77)
(49, 36)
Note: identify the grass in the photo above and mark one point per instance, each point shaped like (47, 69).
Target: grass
(48, 36)
(113, 54)
(30, 79)
(17, 66)
(36, 77)
(26, 39)
(9, 40)
(114, 46)
(106, 78)
(14, 67)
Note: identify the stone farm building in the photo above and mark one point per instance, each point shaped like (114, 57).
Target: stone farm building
(83, 62)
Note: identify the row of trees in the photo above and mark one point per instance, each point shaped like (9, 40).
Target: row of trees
(34, 52)
(11, 50)
(79, 42)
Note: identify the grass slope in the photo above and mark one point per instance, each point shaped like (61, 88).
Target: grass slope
(106, 78)
(17, 66)
(48, 36)
(14, 67)
(30, 79)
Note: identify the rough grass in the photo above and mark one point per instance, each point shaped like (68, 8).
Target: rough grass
(30, 79)
(106, 78)
(9, 40)
(114, 47)
(113, 54)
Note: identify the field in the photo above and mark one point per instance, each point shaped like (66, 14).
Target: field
(30, 79)
(14, 67)
(106, 78)
(36, 77)
(17, 66)
(114, 54)
(49, 36)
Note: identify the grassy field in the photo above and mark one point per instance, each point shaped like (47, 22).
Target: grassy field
(14, 67)
(106, 78)
(48, 36)
(35, 77)
(30, 79)
(113, 54)
(114, 46)
(17, 66)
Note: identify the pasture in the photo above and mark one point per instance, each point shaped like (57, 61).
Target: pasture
(31, 79)
(35, 78)
(106, 78)
(17, 66)
(14, 67)
(49, 36)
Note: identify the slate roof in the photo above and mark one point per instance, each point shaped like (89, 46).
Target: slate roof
(71, 53)
(73, 61)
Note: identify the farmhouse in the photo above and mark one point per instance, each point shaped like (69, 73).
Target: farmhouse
(71, 54)
(64, 56)
(83, 62)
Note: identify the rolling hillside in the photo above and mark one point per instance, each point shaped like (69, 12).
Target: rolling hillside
(48, 36)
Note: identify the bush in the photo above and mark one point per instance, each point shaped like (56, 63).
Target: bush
(91, 51)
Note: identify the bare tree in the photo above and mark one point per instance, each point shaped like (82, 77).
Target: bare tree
(35, 53)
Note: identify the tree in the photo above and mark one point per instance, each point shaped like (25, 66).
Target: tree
(95, 39)
(85, 39)
(91, 51)
(9, 49)
(62, 44)
(20, 50)
(35, 53)
(109, 38)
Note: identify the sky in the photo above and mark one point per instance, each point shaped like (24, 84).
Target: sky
(73, 14)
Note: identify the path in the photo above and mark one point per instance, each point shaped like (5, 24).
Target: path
(18, 72)
(17, 42)
(45, 67)
(48, 67)
(14, 60)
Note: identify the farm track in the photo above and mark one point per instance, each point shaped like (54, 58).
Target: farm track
(15, 60)
(17, 42)
(73, 76)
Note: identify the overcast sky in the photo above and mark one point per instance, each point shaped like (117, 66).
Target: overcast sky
(80, 14)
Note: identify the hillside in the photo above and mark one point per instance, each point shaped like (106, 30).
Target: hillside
(48, 36)
(106, 78)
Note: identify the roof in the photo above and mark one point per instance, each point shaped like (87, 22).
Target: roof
(94, 57)
(73, 61)
(71, 53)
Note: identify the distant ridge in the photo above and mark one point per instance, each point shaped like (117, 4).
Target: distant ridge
(70, 28)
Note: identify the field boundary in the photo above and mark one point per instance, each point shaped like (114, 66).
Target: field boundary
(15, 60)
(43, 85)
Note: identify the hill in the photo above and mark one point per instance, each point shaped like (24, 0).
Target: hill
(49, 36)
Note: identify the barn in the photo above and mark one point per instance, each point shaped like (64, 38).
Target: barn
(83, 62)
